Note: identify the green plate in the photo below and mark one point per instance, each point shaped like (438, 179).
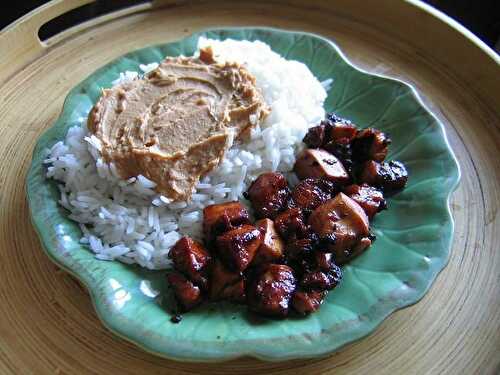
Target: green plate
(414, 235)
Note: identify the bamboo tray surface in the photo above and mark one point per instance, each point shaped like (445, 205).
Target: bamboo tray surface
(48, 323)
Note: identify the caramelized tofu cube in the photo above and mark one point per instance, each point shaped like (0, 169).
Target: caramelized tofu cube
(290, 223)
(369, 198)
(238, 247)
(317, 163)
(323, 261)
(340, 223)
(342, 150)
(390, 177)
(272, 246)
(344, 131)
(186, 293)
(310, 193)
(226, 284)
(271, 291)
(268, 194)
(370, 173)
(363, 244)
(315, 136)
(219, 218)
(315, 280)
(306, 302)
(370, 144)
(322, 280)
(337, 127)
(192, 260)
(297, 249)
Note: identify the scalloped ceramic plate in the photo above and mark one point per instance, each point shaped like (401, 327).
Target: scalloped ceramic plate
(414, 235)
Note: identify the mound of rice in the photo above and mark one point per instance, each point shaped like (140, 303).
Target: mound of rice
(128, 221)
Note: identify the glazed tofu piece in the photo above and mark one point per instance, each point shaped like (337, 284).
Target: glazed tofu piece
(323, 261)
(342, 150)
(340, 130)
(219, 218)
(310, 193)
(333, 128)
(272, 247)
(268, 194)
(299, 248)
(340, 223)
(370, 144)
(315, 136)
(390, 177)
(237, 247)
(186, 293)
(306, 302)
(369, 198)
(318, 163)
(322, 280)
(290, 223)
(271, 291)
(362, 245)
(191, 258)
(226, 284)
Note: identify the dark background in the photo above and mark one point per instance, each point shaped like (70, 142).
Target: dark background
(482, 17)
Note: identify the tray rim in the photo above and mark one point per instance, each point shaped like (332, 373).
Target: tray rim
(31, 48)
(72, 4)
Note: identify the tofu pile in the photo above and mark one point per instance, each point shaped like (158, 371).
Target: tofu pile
(290, 257)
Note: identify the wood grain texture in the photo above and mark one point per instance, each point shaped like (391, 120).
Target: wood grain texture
(48, 324)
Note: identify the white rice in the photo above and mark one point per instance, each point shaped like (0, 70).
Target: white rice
(128, 221)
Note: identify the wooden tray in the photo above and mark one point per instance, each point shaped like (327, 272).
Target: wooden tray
(48, 324)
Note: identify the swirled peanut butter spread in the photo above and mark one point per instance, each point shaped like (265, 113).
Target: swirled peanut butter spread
(174, 125)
